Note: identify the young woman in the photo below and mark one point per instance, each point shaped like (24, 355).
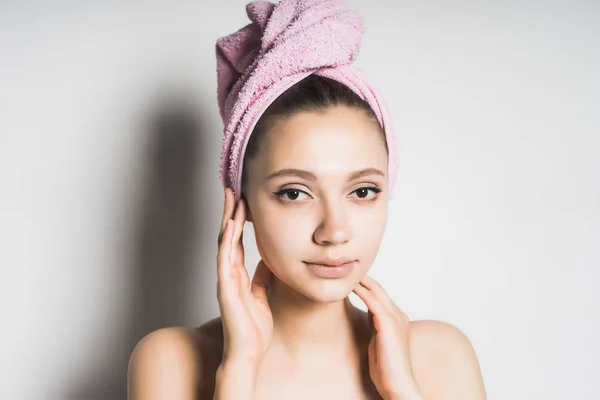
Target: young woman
(308, 159)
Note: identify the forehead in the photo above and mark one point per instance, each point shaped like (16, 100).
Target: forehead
(339, 139)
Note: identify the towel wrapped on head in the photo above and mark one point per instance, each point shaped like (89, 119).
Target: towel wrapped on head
(285, 43)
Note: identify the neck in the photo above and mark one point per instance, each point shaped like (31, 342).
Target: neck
(302, 326)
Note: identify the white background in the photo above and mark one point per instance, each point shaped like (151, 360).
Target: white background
(110, 200)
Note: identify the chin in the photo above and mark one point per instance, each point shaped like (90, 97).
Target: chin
(319, 289)
(327, 290)
(327, 297)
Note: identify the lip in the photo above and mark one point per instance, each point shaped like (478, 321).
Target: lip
(331, 262)
(333, 270)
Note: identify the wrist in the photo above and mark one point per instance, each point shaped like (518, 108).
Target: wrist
(416, 396)
(238, 369)
(235, 379)
(409, 393)
(239, 361)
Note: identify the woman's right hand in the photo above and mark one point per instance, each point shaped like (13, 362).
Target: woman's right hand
(245, 312)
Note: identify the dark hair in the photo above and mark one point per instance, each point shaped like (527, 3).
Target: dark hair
(314, 93)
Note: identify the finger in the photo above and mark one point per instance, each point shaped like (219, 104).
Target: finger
(224, 256)
(261, 281)
(371, 284)
(373, 303)
(376, 288)
(239, 221)
(370, 319)
(377, 312)
(228, 209)
(393, 309)
(238, 257)
(244, 281)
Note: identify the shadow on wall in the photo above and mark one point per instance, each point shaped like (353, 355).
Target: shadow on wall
(165, 237)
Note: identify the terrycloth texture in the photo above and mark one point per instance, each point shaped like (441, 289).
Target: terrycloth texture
(285, 43)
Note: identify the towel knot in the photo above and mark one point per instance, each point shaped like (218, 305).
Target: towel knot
(287, 38)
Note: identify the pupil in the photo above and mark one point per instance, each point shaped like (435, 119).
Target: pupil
(293, 196)
(364, 192)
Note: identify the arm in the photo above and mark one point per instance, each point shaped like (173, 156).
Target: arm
(245, 311)
(164, 366)
(235, 380)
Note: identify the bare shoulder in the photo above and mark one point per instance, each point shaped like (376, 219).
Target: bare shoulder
(174, 362)
(438, 337)
(164, 364)
(444, 361)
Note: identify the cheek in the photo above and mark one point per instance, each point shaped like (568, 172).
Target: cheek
(369, 228)
(374, 220)
(282, 232)
(287, 231)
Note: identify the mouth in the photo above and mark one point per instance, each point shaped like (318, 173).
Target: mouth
(331, 269)
(331, 262)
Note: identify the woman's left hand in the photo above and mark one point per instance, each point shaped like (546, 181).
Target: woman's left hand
(390, 364)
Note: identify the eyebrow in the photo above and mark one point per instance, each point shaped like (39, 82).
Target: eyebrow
(309, 176)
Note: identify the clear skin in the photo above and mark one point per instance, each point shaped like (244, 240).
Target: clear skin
(288, 333)
(330, 215)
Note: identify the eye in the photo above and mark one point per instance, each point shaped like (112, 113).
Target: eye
(291, 195)
(363, 192)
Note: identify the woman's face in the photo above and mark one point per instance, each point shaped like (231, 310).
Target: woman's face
(312, 195)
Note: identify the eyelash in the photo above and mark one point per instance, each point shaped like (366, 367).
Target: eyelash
(281, 193)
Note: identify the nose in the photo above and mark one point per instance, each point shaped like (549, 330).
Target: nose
(335, 227)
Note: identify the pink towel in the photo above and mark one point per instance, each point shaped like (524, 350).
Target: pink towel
(285, 43)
